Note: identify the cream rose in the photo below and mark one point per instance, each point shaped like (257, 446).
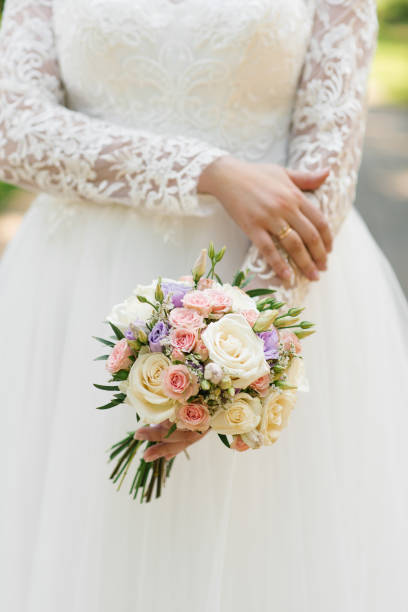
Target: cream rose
(144, 388)
(296, 374)
(234, 346)
(240, 299)
(131, 309)
(241, 415)
(277, 407)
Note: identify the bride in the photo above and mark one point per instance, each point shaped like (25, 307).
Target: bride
(148, 128)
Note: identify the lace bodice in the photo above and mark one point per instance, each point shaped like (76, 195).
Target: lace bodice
(126, 101)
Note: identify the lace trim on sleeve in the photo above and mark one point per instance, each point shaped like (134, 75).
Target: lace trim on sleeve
(47, 147)
(329, 118)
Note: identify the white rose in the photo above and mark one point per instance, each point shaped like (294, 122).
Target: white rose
(144, 388)
(277, 407)
(240, 299)
(131, 309)
(233, 345)
(240, 416)
(296, 374)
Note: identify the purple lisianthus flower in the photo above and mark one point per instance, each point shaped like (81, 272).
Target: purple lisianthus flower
(159, 331)
(177, 290)
(138, 323)
(271, 343)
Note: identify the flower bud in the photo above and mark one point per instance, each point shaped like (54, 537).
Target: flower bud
(294, 312)
(254, 438)
(158, 294)
(220, 254)
(211, 251)
(306, 324)
(205, 385)
(142, 336)
(304, 334)
(200, 265)
(225, 383)
(283, 385)
(265, 320)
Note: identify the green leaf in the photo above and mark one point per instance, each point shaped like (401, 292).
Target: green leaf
(107, 342)
(256, 292)
(106, 387)
(247, 280)
(102, 358)
(172, 428)
(218, 279)
(120, 396)
(121, 375)
(224, 440)
(111, 404)
(238, 278)
(116, 331)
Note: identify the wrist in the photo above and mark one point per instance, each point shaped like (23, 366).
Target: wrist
(212, 176)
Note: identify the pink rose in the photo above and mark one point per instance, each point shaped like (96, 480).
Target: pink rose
(261, 385)
(289, 340)
(119, 357)
(238, 444)
(185, 317)
(199, 301)
(201, 350)
(177, 355)
(183, 339)
(221, 303)
(194, 417)
(179, 383)
(251, 316)
(205, 283)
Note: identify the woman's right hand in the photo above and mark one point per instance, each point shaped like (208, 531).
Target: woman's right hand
(264, 199)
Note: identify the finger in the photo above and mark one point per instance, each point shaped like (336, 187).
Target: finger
(308, 181)
(153, 433)
(163, 449)
(311, 238)
(319, 221)
(263, 241)
(297, 250)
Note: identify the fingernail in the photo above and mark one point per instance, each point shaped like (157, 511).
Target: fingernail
(286, 274)
(314, 275)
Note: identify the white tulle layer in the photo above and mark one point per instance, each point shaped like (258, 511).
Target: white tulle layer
(316, 523)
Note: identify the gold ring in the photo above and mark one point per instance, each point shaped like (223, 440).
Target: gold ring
(285, 231)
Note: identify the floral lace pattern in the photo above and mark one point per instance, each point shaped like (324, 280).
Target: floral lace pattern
(328, 121)
(47, 147)
(127, 101)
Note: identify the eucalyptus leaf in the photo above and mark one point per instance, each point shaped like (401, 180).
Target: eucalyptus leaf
(107, 387)
(107, 342)
(257, 292)
(224, 440)
(111, 404)
(119, 335)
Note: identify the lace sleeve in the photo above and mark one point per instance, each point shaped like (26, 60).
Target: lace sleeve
(47, 147)
(329, 116)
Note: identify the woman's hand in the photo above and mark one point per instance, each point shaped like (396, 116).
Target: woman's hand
(264, 199)
(169, 447)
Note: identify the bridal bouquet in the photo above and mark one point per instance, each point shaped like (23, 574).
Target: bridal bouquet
(203, 355)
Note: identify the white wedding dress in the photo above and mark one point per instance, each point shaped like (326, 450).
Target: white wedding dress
(111, 109)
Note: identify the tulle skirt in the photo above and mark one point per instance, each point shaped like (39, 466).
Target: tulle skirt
(316, 523)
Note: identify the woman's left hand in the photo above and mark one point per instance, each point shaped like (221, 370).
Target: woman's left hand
(169, 447)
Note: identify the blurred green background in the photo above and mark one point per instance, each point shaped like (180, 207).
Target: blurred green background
(382, 196)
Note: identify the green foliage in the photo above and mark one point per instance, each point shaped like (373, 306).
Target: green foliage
(393, 11)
